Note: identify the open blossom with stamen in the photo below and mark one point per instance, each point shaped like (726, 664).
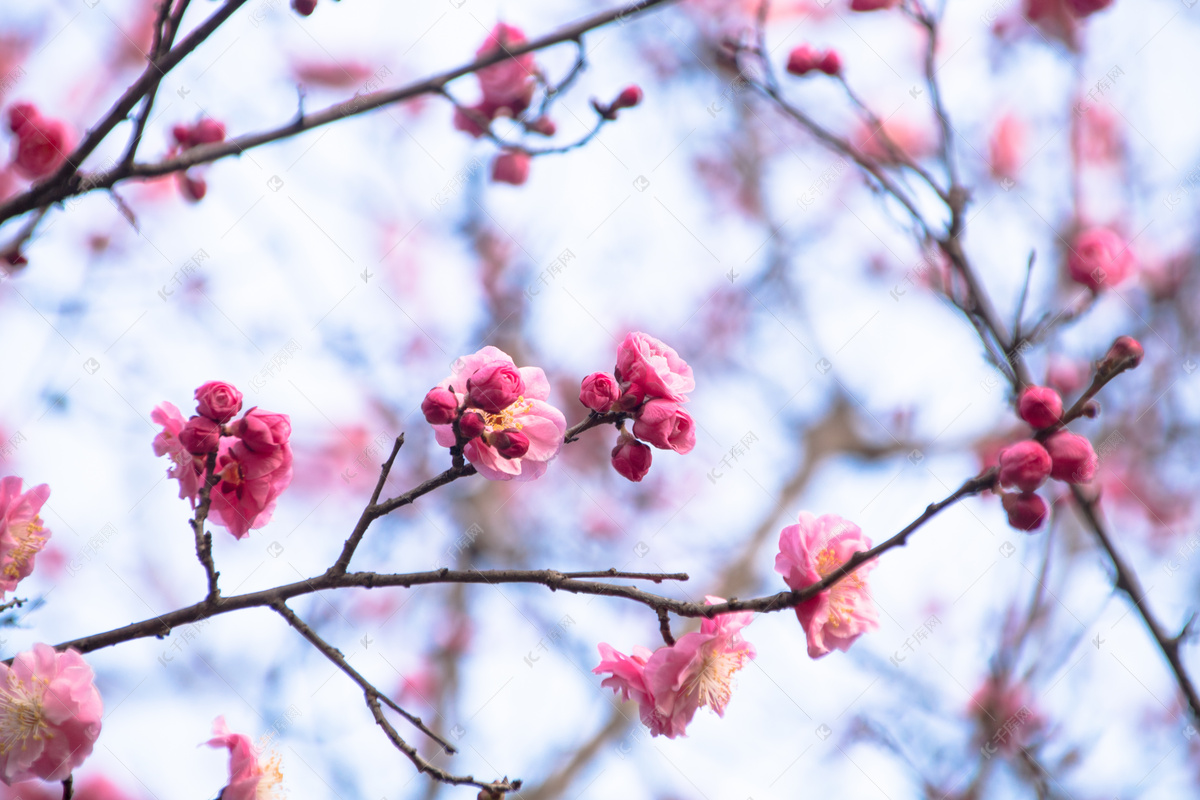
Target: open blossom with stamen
(250, 777)
(672, 683)
(50, 714)
(809, 552)
(250, 484)
(187, 468)
(529, 414)
(22, 536)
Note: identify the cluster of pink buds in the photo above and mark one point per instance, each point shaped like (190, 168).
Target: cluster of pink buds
(650, 383)
(495, 414)
(804, 59)
(205, 131)
(41, 145)
(1053, 451)
(253, 457)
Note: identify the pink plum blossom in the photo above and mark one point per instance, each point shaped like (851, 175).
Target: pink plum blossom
(250, 484)
(1025, 465)
(656, 369)
(22, 536)
(630, 458)
(41, 145)
(186, 468)
(1026, 510)
(1099, 258)
(810, 551)
(50, 713)
(1006, 147)
(218, 401)
(250, 778)
(1040, 406)
(671, 684)
(530, 414)
(1072, 456)
(511, 166)
(665, 425)
(599, 391)
(509, 83)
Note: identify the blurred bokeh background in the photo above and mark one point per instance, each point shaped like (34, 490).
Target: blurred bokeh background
(335, 276)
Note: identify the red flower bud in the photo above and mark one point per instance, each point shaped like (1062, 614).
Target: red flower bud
(1074, 459)
(1091, 409)
(510, 442)
(208, 131)
(439, 406)
(218, 401)
(599, 391)
(200, 435)
(495, 387)
(1124, 349)
(1026, 511)
(831, 63)
(1025, 465)
(1040, 406)
(182, 134)
(471, 425)
(631, 458)
(803, 60)
(304, 7)
(262, 431)
(543, 125)
(1082, 8)
(629, 97)
(511, 166)
(192, 189)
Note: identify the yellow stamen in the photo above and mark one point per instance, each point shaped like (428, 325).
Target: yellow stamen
(29, 544)
(713, 682)
(22, 717)
(507, 418)
(842, 595)
(269, 787)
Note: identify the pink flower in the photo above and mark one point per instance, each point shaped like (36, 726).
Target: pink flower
(495, 387)
(630, 458)
(249, 777)
(1099, 258)
(250, 484)
(509, 443)
(470, 120)
(508, 84)
(218, 401)
(629, 97)
(599, 391)
(1040, 406)
(529, 413)
(50, 714)
(666, 426)
(671, 684)
(831, 63)
(42, 144)
(1025, 465)
(262, 431)
(439, 406)
(809, 552)
(22, 536)
(1006, 146)
(200, 436)
(186, 468)
(1074, 460)
(511, 166)
(803, 59)
(654, 368)
(1026, 511)
(1083, 8)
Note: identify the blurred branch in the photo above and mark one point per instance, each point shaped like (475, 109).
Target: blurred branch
(68, 182)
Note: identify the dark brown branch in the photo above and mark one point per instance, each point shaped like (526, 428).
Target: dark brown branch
(203, 537)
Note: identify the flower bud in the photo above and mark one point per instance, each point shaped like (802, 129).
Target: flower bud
(831, 63)
(495, 387)
(208, 131)
(632, 397)
(1025, 465)
(510, 442)
(599, 391)
(629, 97)
(1074, 460)
(182, 134)
(1091, 409)
(1040, 406)
(511, 166)
(192, 189)
(631, 458)
(1126, 353)
(1026, 511)
(304, 7)
(218, 401)
(21, 115)
(439, 406)
(200, 435)
(471, 424)
(261, 431)
(1099, 258)
(803, 60)
(665, 425)
(543, 125)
